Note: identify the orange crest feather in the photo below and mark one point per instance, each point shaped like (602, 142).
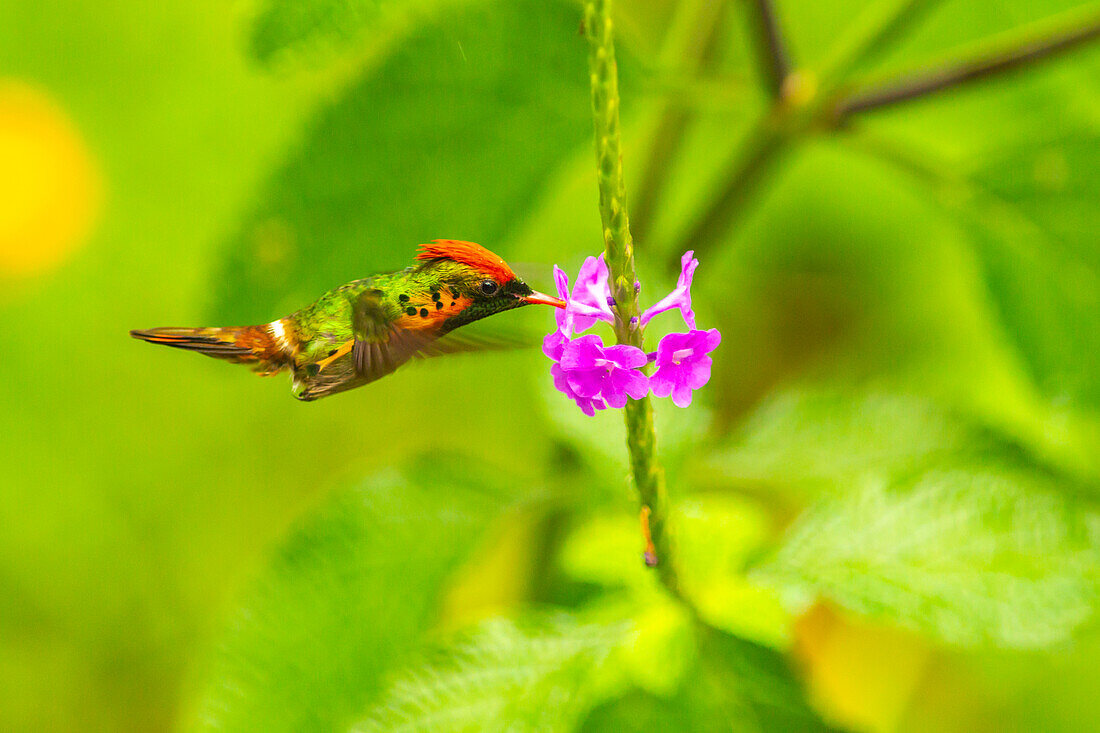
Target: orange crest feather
(468, 253)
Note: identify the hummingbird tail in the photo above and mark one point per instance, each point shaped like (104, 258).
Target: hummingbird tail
(257, 345)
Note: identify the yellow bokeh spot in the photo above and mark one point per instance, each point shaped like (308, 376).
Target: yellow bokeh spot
(49, 186)
(862, 675)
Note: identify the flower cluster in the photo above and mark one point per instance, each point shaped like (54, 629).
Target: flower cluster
(596, 376)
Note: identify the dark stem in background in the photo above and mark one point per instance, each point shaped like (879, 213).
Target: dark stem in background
(872, 34)
(956, 74)
(771, 48)
(641, 438)
(755, 161)
(669, 135)
(788, 122)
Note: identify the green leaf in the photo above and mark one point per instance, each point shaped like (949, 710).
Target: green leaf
(1035, 230)
(827, 439)
(976, 556)
(349, 592)
(733, 685)
(451, 136)
(715, 535)
(541, 675)
(282, 27)
(928, 522)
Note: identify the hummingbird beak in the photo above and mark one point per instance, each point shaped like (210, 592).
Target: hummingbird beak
(543, 299)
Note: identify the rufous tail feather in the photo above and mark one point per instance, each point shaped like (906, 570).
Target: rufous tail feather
(260, 346)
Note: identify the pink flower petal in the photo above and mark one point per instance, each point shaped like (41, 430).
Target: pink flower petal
(681, 395)
(582, 353)
(626, 356)
(597, 376)
(680, 297)
(635, 383)
(697, 372)
(553, 345)
(661, 383)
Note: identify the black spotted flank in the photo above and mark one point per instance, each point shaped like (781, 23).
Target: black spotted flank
(452, 304)
(435, 296)
(403, 298)
(411, 311)
(423, 312)
(438, 305)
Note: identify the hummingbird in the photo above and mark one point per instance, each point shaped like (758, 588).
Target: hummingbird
(364, 330)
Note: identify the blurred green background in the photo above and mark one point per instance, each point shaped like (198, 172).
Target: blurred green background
(884, 502)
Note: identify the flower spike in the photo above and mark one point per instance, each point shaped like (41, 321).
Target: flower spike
(595, 376)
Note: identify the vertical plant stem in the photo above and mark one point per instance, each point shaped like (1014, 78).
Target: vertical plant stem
(619, 247)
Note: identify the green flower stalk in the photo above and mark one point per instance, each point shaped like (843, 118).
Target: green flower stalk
(641, 438)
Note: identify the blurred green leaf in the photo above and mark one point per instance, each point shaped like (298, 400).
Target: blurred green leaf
(1027, 207)
(928, 521)
(287, 26)
(1053, 184)
(974, 556)
(643, 712)
(451, 136)
(828, 439)
(717, 535)
(661, 648)
(600, 440)
(733, 685)
(351, 590)
(606, 549)
(1036, 237)
(539, 675)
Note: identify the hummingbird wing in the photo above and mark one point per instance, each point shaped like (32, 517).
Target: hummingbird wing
(484, 340)
(376, 348)
(381, 344)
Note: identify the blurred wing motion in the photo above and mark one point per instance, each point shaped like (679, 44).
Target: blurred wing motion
(381, 345)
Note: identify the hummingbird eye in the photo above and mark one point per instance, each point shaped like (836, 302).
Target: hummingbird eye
(489, 287)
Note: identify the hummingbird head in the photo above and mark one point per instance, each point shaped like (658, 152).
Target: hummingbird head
(482, 282)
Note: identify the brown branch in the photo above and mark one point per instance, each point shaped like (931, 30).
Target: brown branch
(746, 173)
(771, 48)
(952, 75)
(774, 135)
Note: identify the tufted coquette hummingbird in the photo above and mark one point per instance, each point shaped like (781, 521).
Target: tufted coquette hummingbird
(365, 329)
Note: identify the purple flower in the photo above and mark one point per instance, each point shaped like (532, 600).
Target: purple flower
(553, 344)
(683, 364)
(589, 300)
(680, 297)
(596, 376)
(609, 373)
(588, 405)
